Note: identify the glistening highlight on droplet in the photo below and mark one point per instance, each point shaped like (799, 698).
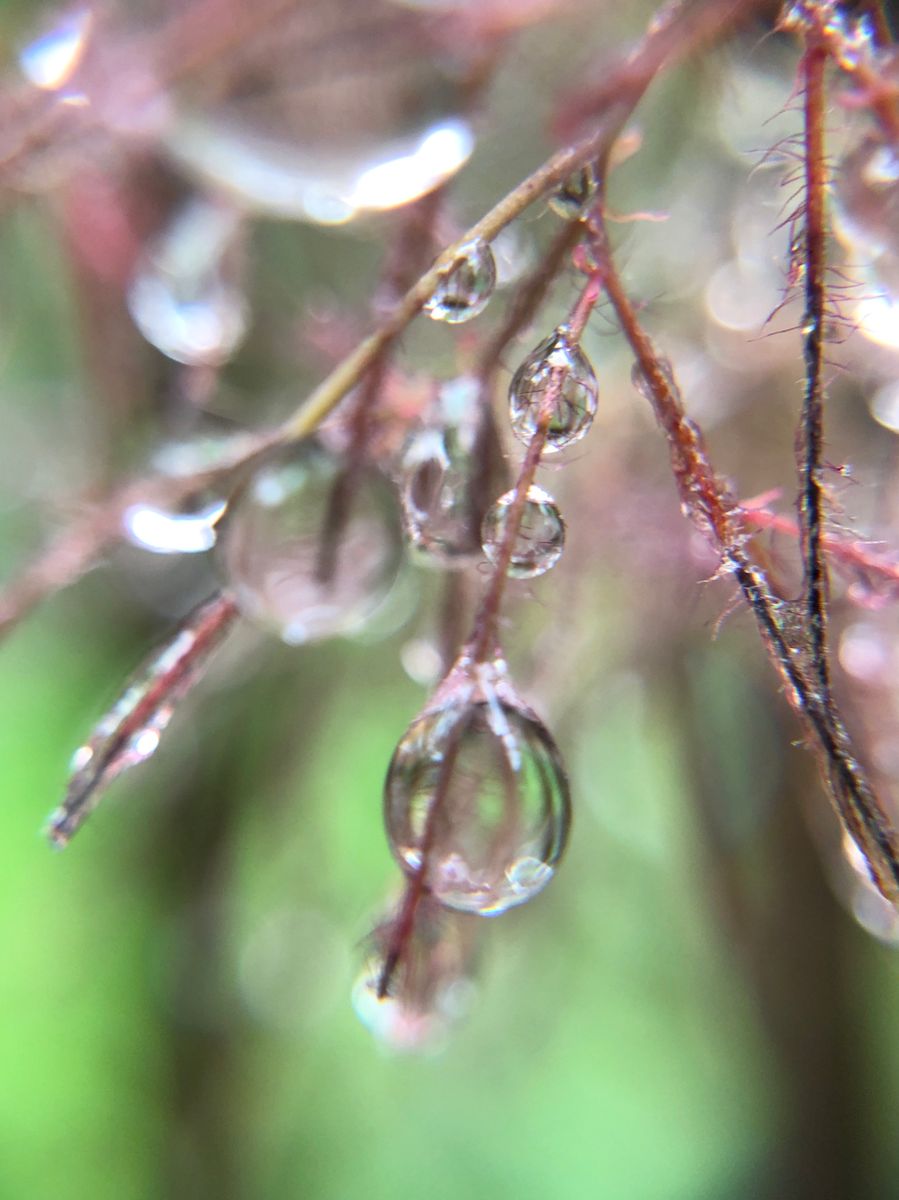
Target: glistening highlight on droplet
(476, 796)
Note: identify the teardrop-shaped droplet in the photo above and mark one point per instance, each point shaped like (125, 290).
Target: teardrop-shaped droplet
(464, 291)
(131, 730)
(476, 796)
(541, 533)
(342, 109)
(429, 990)
(577, 193)
(186, 297)
(868, 905)
(555, 384)
(443, 478)
(308, 551)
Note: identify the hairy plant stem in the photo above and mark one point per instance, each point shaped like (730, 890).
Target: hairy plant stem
(708, 503)
(810, 433)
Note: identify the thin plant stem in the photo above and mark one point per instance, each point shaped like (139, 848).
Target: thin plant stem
(707, 501)
(810, 433)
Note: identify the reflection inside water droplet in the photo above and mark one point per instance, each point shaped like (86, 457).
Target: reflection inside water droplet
(557, 374)
(539, 541)
(477, 787)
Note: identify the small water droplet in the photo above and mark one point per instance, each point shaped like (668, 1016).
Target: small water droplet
(51, 60)
(442, 479)
(577, 193)
(476, 787)
(430, 990)
(289, 570)
(541, 533)
(556, 374)
(465, 290)
(186, 297)
(130, 732)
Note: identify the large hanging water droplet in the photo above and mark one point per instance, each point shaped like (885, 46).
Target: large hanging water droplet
(131, 730)
(186, 297)
(443, 477)
(295, 569)
(577, 193)
(465, 290)
(541, 533)
(476, 796)
(555, 384)
(343, 109)
(429, 990)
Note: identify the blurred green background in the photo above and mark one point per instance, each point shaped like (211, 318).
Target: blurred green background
(686, 1014)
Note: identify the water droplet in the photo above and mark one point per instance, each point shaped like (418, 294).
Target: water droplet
(541, 533)
(51, 60)
(443, 481)
(465, 290)
(130, 732)
(558, 375)
(342, 111)
(289, 570)
(186, 297)
(870, 908)
(476, 789)
(429, 990)
(577, 193)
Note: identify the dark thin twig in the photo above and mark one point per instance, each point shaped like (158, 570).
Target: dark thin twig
(810, 433)
(711, 507)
